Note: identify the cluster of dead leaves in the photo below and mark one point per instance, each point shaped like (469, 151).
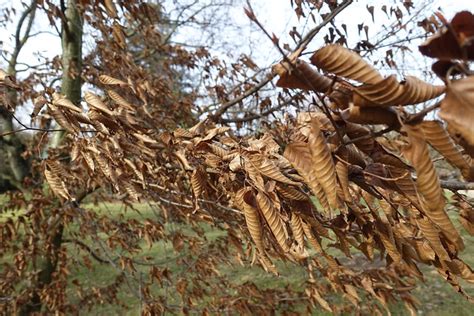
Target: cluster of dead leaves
(453, 46)
(329, 186)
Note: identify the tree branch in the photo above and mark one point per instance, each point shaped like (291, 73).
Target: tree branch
(216, 116)
(456, 185)
(21, 40)
(300, 47)
(87, 249)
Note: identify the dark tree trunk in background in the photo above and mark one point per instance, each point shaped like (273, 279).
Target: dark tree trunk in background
(13, 167)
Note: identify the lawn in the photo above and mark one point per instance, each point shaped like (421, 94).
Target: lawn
(436, 296)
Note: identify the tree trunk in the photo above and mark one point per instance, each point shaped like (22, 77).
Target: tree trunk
(71, 39)
(15, 167)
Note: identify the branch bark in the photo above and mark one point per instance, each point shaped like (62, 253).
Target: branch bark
(456, 185)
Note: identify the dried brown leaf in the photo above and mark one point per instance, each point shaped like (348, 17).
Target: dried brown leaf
(303, 76)
(453, 42)
(198, 182)
(439, 138)
(427, 183)
(273, 219)
(249, 206)
(61, 101)
(119, 100)
(56, 184)
(297, 229)
(63, 120)
(313, 241)
(322, 165)
(457, 108)
(345, 63)
(370, 115)
(267, 168)
(96, 103)
(390, 92)
(299, 155)
(110, 81)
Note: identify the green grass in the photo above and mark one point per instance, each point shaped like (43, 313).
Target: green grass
(436, 295)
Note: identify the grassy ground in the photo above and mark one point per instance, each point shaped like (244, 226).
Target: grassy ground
(436, 296)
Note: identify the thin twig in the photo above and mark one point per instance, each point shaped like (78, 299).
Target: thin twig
(87, 249)
(370, 135)
(456, 185)
(300, 47)
(255, 116)
(414, 118)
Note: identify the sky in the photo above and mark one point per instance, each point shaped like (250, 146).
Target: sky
(277, 16)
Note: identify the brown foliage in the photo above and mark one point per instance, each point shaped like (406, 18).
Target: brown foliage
(368, 203)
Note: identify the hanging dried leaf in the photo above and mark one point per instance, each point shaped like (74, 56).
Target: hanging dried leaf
(371, 115)
(452, 43)
(428, 185)
(361, 136)
(267, 264)
(381, 155)
(322, 165)
(249, 206)
(291, 193)
(464, 271)
(439, 138)
(424, 250)
(110, 81)
(343, 177)
(88, 159)
(302, 77)
(273, 219)
(62, 120)
(345, 63)
(56, 184)
(431, 233)
(118, 35)
(198, 182)
(457, 108)
(390, 92)
(118, 99)
(311, 239)
(95, 102)
(267, 168)
(180, 132)
(386, 236)
(297, 229)
(61, 101)
(314, 293)
(299, 155)
(110, 8)
(38, 104)
(416, 91)
(130, 189)
(254, 175)
(466, 219)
